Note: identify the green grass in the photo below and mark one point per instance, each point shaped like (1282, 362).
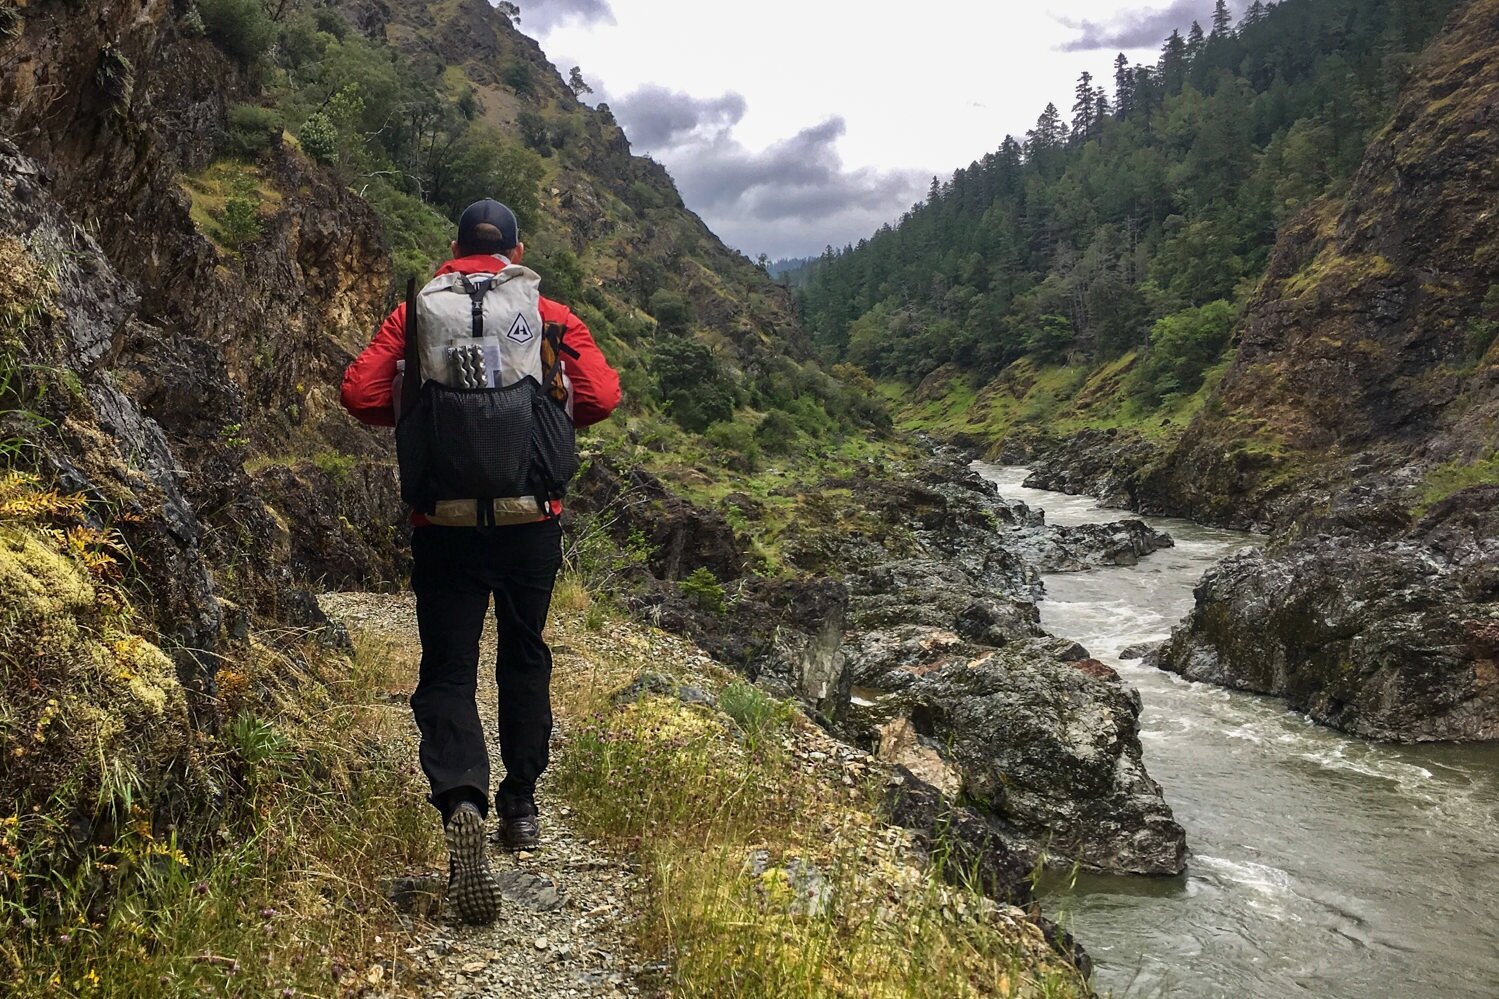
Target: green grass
(762, 877)
(1455, 476)
(142, 854)
(758, 715)
(1059, 399)
(212, 190)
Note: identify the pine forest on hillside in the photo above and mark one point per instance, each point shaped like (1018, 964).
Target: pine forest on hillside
(1142, 220)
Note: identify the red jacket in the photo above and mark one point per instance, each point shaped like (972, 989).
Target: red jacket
(366, 388)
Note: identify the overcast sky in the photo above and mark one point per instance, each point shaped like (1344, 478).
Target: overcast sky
(789, 127)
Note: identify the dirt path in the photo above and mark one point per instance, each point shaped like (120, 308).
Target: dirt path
(564, 929)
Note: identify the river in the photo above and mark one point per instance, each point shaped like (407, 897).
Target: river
(1321, 865)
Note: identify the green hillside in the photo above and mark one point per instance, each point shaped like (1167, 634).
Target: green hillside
(1136, 226)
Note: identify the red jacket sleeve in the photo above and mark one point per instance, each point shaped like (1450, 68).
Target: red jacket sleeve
(595, 383)
(366, 388)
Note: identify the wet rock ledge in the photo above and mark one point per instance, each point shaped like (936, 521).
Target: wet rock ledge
(911, 629)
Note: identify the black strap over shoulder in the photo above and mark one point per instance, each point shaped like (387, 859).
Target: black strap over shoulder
(411, 382)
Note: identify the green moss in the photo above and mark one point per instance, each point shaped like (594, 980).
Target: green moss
(1455, 476)
(38, 585)
(1058, 398)
(1330, 265)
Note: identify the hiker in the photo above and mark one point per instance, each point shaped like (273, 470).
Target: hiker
(488, 394)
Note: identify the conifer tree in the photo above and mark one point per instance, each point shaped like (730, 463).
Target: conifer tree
(1174, 63)
(1124, 86)
(1255, 14)
(1048, 132)
(1222, 20)
(1083, 109)
(1195, 39)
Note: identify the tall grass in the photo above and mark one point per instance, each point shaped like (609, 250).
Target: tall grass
(270, 889)
(766, 880)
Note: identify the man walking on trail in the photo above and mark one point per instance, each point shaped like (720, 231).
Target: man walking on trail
(492, 380)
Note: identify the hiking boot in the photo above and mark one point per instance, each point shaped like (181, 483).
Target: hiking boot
(519, 832)
(473, 891)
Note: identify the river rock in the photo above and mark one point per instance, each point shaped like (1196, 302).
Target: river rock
(1047, 749)
(972, 843)
(1388, 639)
(1105, 463)
(1088, 546)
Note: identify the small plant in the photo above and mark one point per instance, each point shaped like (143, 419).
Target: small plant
(116, 75)
(192, 24)
(757, 714)
(252, 129)
(240, 222)
(703, 590)
(234, 435)
(334, 464)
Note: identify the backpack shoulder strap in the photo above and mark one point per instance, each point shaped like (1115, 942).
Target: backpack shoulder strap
(411, 383)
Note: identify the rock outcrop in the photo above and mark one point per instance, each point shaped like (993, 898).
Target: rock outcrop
(1385, 637)
(1042, 742)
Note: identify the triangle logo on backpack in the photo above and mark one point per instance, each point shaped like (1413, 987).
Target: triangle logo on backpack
(520, 330)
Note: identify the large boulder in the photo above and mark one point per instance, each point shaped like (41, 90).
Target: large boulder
(1385, 638)
(1046, 744)
(1088, 546)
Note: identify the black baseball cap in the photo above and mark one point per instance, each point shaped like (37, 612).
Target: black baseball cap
(488, 227)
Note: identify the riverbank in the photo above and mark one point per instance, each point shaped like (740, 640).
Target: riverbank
(703, 839)
(1321, 863)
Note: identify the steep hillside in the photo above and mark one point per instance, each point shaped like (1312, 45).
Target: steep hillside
(1369, 364)
(172, 132)
(1135, 226)
(1368, 350)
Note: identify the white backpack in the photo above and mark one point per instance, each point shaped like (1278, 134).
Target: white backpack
(489, 421)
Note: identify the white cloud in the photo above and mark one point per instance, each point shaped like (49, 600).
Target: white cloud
(791, 127)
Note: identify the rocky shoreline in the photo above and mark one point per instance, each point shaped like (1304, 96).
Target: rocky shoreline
(1370, 616)
(920, 642)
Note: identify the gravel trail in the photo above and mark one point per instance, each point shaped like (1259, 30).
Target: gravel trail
(563, 931)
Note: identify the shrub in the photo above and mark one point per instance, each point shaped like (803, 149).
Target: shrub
(562, 274)
(672, 311)
(519, 78)
(240, 222)
(703, 590)
(776, 432)
(736, 443)
(252, 129)
(693, 384)
(483, 165)
(241, 28)
(319, 138)
(1183, 346)
(534, 132)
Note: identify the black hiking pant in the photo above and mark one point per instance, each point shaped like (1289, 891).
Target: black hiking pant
(456, 570)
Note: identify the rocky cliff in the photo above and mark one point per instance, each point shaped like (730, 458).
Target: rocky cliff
(1361, 419)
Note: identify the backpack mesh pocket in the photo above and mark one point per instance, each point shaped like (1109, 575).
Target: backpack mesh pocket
(481, 441)
(556, 446)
